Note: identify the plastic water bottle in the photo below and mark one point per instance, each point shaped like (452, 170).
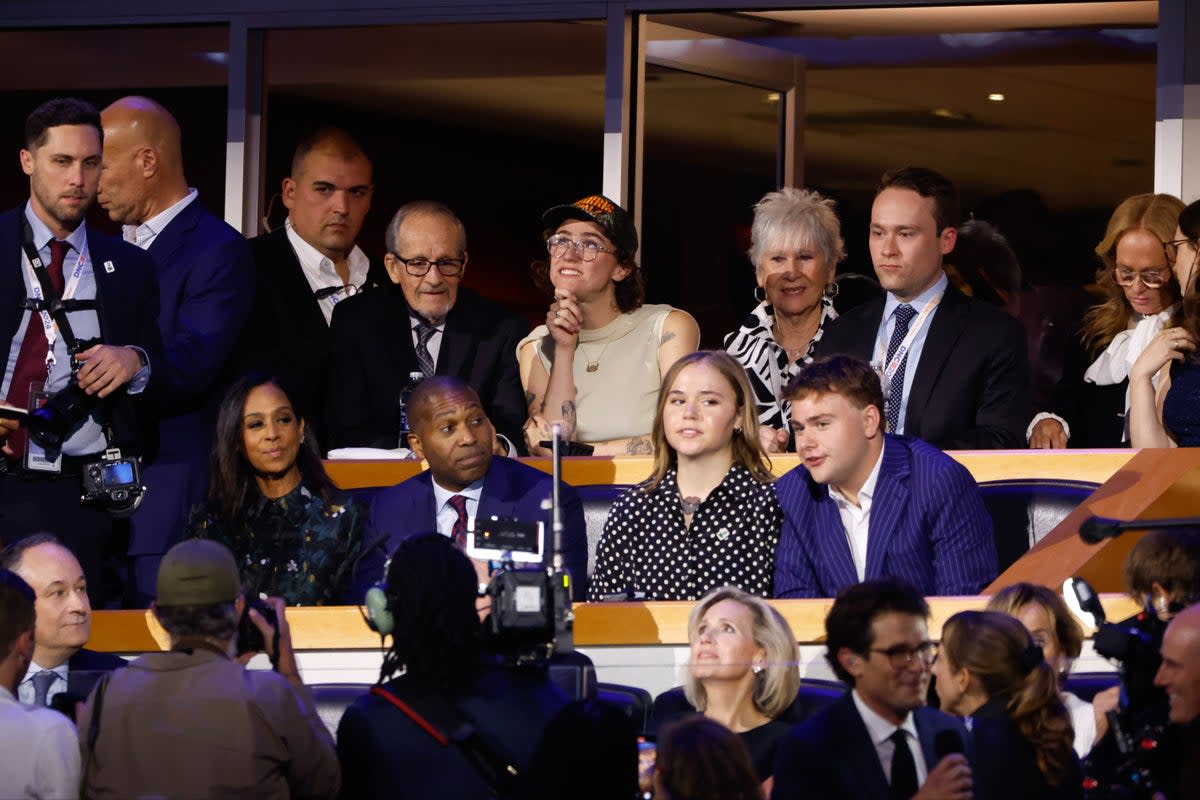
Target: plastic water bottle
(413, 379)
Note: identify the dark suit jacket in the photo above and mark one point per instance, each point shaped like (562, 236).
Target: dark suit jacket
(971, 387)
(1096, 414)
(286, 334)
(928, 525)
(372, 342)
(206, 283)
(86, 667)
(511, 490)
(831, 755)
(127, 306)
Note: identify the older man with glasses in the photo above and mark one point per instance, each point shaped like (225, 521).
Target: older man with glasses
(886, 744)
(427, 325)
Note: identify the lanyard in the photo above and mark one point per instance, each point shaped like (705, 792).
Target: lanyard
(50, 327)
(889, 370)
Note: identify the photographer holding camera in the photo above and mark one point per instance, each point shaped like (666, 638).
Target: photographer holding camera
(193, 722)
(79, 332)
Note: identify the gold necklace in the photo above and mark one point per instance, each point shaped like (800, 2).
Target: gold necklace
(592, 366)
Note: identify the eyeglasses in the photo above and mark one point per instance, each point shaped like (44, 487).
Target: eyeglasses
(1151, 279)
(1171, 248)
(902, 655)
(417, 267)
(587, 249)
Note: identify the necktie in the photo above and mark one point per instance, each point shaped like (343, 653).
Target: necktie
(895, 389)
(425, 332)
(458, 534)
(31, 361)
(904, 769)
(41, 686)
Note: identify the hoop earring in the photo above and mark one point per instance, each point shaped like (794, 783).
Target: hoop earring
(758, 299)
(831, 289)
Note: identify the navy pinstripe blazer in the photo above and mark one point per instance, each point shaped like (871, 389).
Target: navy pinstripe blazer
(928, 525)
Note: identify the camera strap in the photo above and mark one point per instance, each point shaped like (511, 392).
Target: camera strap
(448, 726)
(47, 302)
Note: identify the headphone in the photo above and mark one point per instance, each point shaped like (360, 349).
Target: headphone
(378, 603)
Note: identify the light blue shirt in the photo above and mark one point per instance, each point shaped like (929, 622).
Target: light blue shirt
(25, 691)
(446, 515)
(918, 344)
(88, 438)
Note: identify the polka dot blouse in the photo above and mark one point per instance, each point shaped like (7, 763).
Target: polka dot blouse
(647, 551)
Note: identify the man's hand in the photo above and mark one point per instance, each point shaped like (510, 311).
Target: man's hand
(773, 440)
(285, 664)
(1048, 434)
(106, 368)
(1102, 703)
(7, 426)
(949, 780)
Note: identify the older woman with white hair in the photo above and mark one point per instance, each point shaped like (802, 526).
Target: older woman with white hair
(795, 246)
(743, 671)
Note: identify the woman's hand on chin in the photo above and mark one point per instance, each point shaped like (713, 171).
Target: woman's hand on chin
(564, 319)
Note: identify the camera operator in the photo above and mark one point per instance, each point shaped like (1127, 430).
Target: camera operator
(193, 722)
(458, 722)
(77, 321)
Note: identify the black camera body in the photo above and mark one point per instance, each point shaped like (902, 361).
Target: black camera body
(250, 638)
(531, 613)
(114, 483)
(51, 423)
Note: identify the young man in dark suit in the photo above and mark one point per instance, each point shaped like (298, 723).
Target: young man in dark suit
(453, 433)
(428, 323)
(112, 314)
(206, 282)
(309, 265)
(64, 621)
(877, 741)
(863, 504)
(955, 369)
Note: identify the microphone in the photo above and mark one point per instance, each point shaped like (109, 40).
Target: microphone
(1096, 529)
(947, 742)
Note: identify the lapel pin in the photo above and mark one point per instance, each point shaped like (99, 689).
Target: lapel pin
(108, 267)
(723, 534)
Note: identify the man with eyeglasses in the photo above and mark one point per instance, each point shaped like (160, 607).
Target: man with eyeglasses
(428, 323)
(206, 282)
(878, 741)
(308, 266)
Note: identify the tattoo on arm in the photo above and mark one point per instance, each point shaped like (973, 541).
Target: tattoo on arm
(568, 419)
(529, 398)
(639, 446)
(666, 337)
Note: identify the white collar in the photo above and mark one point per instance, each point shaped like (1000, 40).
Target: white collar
(320, 265)
(151, 228)
(441, 495)
(867, 492)
(878, 728)
(63, 670)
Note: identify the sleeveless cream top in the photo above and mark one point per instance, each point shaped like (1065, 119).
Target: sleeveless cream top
(618, 398)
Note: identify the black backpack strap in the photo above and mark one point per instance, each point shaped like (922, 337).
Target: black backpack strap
(447, 725)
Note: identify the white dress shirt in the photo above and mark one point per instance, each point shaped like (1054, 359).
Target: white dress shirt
(320, 272)
(41, 751)
(144, 235)
(856, 519)
(446, 515)
(880, 731)
(434, 345)
(888, 324)
(25, 690)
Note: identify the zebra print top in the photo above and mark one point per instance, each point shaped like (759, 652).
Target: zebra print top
(767, 363)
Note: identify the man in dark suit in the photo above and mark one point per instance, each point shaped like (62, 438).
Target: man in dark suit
(206, 281)
(308, 266)
(111, 307)
(864, 504)
(955, 369)
(64, 621)
(465, 481)
(427, 323)
(877, 741)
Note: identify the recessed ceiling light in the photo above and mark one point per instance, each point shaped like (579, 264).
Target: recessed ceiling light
(996, 97)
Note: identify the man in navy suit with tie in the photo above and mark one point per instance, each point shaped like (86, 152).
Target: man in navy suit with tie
(864, 504)
(877, 742)
(111, 298)
(466, 481)
(206, 283)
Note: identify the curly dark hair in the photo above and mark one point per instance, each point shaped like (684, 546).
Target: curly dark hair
(231, 483)
(849, 623)
(437, 638)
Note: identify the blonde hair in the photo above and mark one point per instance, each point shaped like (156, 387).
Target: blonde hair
(776, 686)
(998, 651)
(1158, 214)
(747, 450)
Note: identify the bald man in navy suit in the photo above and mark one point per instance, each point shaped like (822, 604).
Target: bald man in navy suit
(864, 504)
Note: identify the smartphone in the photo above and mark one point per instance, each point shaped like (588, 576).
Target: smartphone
(647, 753)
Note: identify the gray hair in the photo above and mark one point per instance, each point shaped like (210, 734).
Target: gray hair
(418, 207)
(218, 621)
(792, 218)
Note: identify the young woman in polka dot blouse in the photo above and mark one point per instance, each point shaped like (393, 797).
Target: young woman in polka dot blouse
(707, 516)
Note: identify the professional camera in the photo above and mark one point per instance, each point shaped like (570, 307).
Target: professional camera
(113, 483)
(51, 423)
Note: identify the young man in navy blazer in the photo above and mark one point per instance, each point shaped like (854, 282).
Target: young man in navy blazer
(877, 741)
(453, 433)
(863, 504)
